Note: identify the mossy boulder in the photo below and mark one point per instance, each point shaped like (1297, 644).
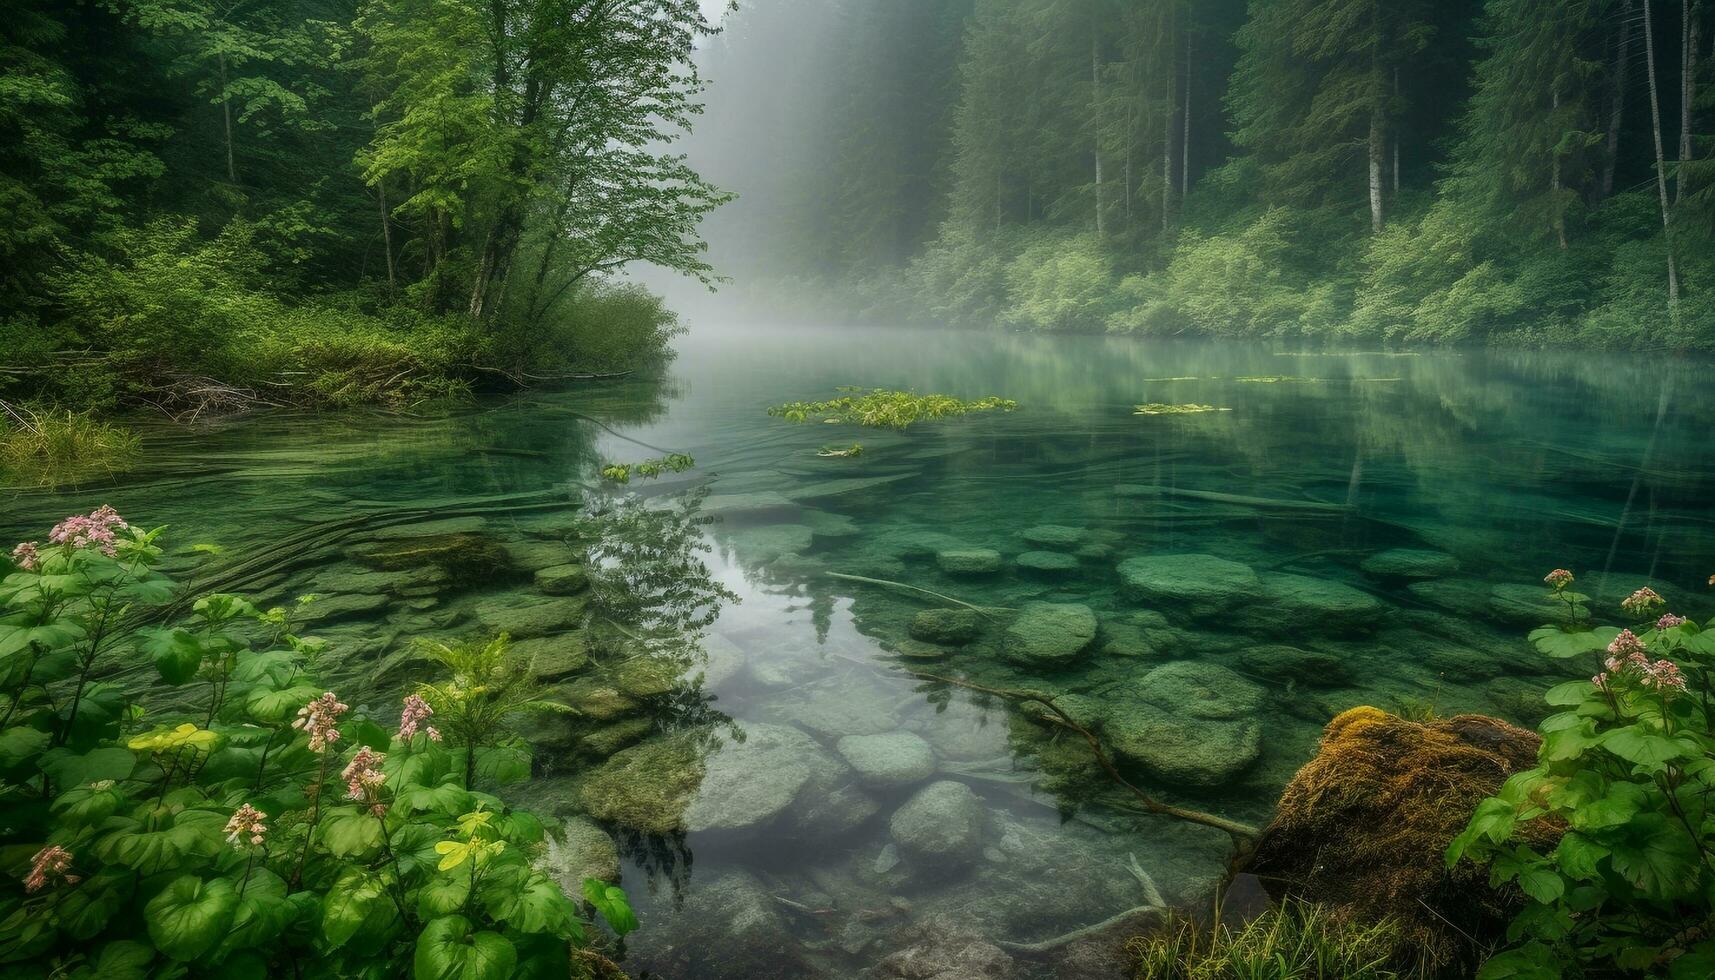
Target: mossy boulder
(941, 825)
(1301, 605)
(466, 556)
(552, 657)
(1199, 586)
(1056, 537)
(953, 627)
(647, 787)
(1188, 723)
(1363, 827)
(597, 700)
(525, 616)
(1316, 668)
(748, 784)
(608, 739)
(567, 579)
(1049, 634)
(333, 608)
(1410, 564)
(888, 760)
(969, 562)
(1046, 564)
(582, 850)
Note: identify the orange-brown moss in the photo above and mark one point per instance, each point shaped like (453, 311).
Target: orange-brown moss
(1364, 826)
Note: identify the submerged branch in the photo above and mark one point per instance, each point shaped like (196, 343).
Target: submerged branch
(979, 610)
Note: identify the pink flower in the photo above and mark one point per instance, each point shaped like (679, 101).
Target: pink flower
(320, 719)
(1669, 621)
(26, 557)
(1642, 602)
(96, 529)
(1626, 646)
(1601, 681)
(363, 774)
(49, 862)
(246, 822)
(1664, 675)
(1559, 579)
(415, 712)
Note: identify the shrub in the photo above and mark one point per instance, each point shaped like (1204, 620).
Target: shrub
(260, 826)
(1628, 769)
(601, 327)
(1289, 941)
(1060, 285)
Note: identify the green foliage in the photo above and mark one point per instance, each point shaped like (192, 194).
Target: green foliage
(216, 836)
(880, 408)
(1291, 940)
(1160, 408)
(49, 448)
(649, 469)
(1627, 767)
(835, 452)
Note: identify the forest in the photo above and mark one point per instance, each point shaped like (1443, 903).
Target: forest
(1523, 172)
(220, 203)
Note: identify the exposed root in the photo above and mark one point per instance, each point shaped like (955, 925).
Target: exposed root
(1049, 945)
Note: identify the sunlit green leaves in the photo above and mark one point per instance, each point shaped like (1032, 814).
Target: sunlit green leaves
(450, 948)
(191, 915)
(1561, 643)
(610, 901)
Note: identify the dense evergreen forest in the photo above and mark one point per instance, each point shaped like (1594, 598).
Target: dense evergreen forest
(1505, 171)
(216, 202)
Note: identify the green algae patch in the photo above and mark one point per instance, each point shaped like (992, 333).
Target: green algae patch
(883, 409)
(1160, 408)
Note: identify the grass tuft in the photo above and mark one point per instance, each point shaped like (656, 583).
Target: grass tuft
(1292, 941)
(53, 447)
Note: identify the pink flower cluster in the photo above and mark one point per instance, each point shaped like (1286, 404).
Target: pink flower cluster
(26, 557)
(1627, 656)
(1642, 602)
(1669, 621)
(99, 529)
(246, 822)
(1558, 579)
(416, 711)
(320, 720)
(363, 774)
(50, 862)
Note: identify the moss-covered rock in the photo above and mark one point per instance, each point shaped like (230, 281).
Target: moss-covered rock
(1364, 826)
(1275, 661)
(1297, 605)
(942, 824)
(596, 699)
(1046, 564)
(1410, 563)
(464, 555)
(748, 784)
(608, 739)
(953, 627)
(647, 787)
(888, 760)
(566, 579)
(552, 657)
(969, 562)
(525, 616)
(1049, 634)
(1199, 586)
(1057, 537)
(1190, 723)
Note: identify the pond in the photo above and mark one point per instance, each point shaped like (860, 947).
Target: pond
(790, 795)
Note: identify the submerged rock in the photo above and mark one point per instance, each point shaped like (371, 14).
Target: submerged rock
(526, 616)
(969, 561)
(747, 784)
(949, 956)
(1193, 585)
(562, 579)
(729, 928)
(583, 850)
(953, 627)
(1364, 826)
(552, 657)
(1316, 668)
(888, 760)
(466, 555)
(1300, 604)
(329, 609)
(771, 541)
(1410, 563)
(1046, 564)
(1055, 536)
(747, 505)
(1187, 722)
(829, 526)
(647, 787)
(942, 824)
(608, 739)
(1047, 634)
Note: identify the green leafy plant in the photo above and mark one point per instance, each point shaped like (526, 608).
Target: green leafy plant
(835, 452)
(1159, 408)
(880, 408)
(486, 689)
(1291, 940)
(648, 469)
(48, 448)
(1627, 768)
(259, 826)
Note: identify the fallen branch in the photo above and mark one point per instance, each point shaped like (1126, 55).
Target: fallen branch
(1243, 834)
(979, 610)
(1049, 945)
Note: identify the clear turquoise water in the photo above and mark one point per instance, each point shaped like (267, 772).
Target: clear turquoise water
(1506, 464)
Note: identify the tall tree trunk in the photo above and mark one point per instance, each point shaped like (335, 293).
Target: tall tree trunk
(1660, 164)
(1395, 141)
(1690, 14)
(1555, 202)
(1378, 121)
(1096, 121)
(226, 112)
(1169, 103)
(1185, 134)
(1617, 112)
(386, 233)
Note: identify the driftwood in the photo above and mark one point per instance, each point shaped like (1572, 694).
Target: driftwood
(1049, 945)
(889, 583)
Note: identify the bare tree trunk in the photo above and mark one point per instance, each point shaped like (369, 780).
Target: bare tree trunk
(226, 111)
(1378, 124)
(1689, 40)
(1559, 208)
(1168, 105)
(386, 232)
(1617, 113)
(1660, 165)
(1185, 135)
(1396, 139)
(1096, 120)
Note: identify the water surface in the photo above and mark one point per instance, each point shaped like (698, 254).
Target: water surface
(1486, 469)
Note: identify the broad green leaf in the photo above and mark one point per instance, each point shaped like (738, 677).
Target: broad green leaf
(83, 912)
(1696, 963)
(20, 745)
(349, 833)
(176, 653)
(1657, 857)
(263, 912)
(1561, 643)
(348, 905)
(1570, 693)
(537, 905)
(449, 949)
(1615, 808)
(1541, 884)
(190, 916)
(442, 894)
(504, 764)
(123, 959)
(270, 707)
(1532, 961)
(611, 902)
(1649, 751)
(1578, 856)
(70, 768)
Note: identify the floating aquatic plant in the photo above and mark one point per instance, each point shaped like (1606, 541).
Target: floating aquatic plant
(1159, 408)
(854, 449)
(648, 469)
(880, 408)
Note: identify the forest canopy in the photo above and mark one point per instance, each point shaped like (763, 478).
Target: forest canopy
(338, 200)
(1506, 171)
